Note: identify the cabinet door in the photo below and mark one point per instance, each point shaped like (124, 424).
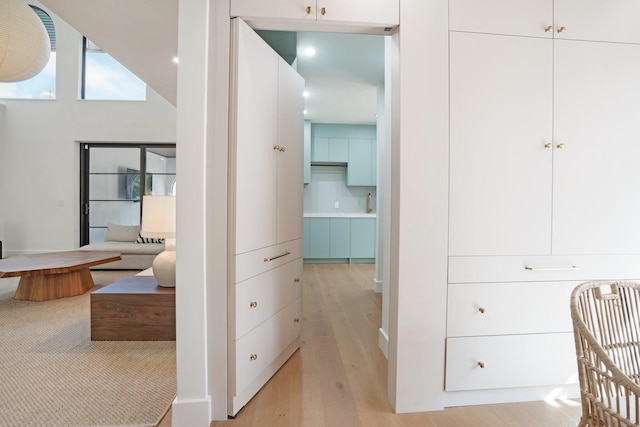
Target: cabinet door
(307, 237)
(340, 246)
(375, 12)
(359, 169)
(363, 238)
(282, 9)
(290, 188)
(320, 237)
(514, 17)
(596, 175)
(611, 20)
(320, 150)
(500, 170)
(255, 134)
(338, 150)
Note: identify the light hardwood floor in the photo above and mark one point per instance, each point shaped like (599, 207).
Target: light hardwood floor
(338, 377)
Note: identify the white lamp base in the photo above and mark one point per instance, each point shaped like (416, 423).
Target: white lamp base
(164, 269)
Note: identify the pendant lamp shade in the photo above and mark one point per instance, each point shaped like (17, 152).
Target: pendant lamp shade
(24, 42)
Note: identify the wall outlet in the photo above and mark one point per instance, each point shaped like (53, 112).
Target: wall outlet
(337, 205)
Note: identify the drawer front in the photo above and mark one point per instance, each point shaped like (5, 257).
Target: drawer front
(510, 361)
(543, 268)
(260, 297)
(256, 262)
(497, 308)
(257, 349)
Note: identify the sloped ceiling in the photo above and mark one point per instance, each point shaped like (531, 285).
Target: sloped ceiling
(140, 34)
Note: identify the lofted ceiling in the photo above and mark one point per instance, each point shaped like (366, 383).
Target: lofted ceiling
(341, 78)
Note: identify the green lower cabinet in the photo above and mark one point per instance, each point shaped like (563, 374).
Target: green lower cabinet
(339, 239)
(306, 239)
(363, 238)
(320, 238)
(340, 242)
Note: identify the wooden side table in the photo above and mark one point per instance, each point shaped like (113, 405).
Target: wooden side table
(133, 309)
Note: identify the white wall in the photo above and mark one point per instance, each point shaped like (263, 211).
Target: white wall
(39, 163)
(329, 185)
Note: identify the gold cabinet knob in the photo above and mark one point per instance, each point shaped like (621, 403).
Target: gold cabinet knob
(560, 146)
(282, 149)
(548, 28)
(562, 30)
(296, 320)
(323, 11)
(548, 145)
(481, 365)
(253, 357)
(296, 280)
(482, 310)
(276, 147)
(253, 304)
(308, 10)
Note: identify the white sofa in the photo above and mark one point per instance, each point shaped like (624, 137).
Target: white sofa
(137, 253)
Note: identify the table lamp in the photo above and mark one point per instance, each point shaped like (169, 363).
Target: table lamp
(159, 221)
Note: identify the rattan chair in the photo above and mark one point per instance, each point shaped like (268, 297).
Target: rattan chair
(606, 323)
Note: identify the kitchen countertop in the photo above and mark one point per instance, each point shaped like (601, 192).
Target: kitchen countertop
(339, 215)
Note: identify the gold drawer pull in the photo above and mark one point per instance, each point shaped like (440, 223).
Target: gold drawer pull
(253, 304)
(296, 320)
(324, 11)
(308, 10)
(297, 280)
(276, 257)
(573, 267)
(482, 310)
(481, 365)
(253, 357)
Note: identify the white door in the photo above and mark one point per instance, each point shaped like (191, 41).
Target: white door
(596, 196)
(500, 166)
(290, 164)
(255, 132)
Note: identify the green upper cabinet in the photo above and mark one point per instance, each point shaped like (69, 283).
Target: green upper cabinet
(361, 169)
(307, 151)
(330, 150)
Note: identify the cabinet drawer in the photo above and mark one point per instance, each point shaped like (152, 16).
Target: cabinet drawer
(257, 349)
(510, 361)
(497, 308)
(259, 297)
(252, 263)
(543, 268)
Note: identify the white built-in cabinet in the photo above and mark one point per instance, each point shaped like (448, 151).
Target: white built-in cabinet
(544, 104)
(363, 12)
(266, 229)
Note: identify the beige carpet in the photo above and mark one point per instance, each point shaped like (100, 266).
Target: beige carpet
(52, 374)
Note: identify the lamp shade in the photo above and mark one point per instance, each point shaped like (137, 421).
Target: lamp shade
(158, 217)
(24, 42)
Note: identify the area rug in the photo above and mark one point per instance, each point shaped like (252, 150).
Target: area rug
(52, 374)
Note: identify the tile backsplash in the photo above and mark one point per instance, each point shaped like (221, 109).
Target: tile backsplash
(329, 185)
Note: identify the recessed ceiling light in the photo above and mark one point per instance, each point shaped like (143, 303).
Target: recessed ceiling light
(309, 51)
(305, 93)
(304, 111)
(176, 59)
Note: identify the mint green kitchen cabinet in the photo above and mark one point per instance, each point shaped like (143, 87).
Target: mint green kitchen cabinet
(363, 238)
(329, 150)
(307, 152)
(361, 169)
(306, 237)
(320, 238)
(340, 237)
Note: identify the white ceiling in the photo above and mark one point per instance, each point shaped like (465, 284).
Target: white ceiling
(143, 35)
(342, 77)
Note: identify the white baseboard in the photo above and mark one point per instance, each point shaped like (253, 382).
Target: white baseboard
(191, 413)
(562, 392)
(383, 342)
(377, 286)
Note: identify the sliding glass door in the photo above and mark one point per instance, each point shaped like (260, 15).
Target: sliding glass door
(113, 178)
